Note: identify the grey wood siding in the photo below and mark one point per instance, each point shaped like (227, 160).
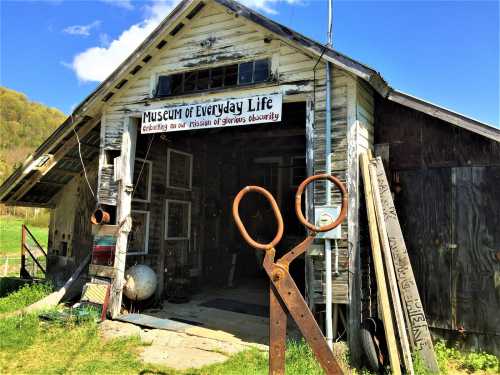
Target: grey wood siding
(445, 180)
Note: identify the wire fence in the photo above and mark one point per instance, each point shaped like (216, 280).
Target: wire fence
(10, 265)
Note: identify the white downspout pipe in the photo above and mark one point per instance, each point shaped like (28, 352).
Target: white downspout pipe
(328, 151)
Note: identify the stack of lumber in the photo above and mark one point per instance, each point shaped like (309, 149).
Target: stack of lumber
(403, 317)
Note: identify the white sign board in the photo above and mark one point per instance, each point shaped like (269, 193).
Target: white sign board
(219, 114)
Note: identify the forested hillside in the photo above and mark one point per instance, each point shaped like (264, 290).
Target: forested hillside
(24, 125)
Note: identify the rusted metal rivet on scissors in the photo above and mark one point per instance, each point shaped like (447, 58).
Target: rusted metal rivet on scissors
(283, 294)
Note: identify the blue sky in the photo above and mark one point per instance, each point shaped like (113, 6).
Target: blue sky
(446, 52)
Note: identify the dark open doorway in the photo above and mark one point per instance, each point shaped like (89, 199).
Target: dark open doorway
(206, 251)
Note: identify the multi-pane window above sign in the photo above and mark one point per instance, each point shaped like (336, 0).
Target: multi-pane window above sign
(245, 73)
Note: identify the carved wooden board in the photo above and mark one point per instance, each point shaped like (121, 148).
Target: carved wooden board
(390, 272)
(419, 330)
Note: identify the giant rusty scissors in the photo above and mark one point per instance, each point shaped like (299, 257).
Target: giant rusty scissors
(283, 292)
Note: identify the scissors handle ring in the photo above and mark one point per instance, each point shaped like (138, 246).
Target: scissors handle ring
(241, 226)
(298, 202)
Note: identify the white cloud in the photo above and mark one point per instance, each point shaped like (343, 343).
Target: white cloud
(97, 63)
(83, 30)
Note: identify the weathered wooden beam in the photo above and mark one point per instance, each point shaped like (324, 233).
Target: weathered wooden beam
(270, 134)
(391, 275)
(68, 145)
(102, 271)
(379, 268)
(124, 207)
(445, 115)
(30, 204)
(67, 171)
(52, 183)
(418, 328)
(75, 158)
(90, 145)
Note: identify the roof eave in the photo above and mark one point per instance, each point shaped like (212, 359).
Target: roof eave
(445, 114)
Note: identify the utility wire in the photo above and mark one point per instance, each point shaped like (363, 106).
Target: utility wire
(144, 162)
(314, 73)
(81, 158)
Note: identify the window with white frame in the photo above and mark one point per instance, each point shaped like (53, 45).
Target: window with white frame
(179, 170)
(138, 237)
(298, 170)
(178, 219)
(143, 174)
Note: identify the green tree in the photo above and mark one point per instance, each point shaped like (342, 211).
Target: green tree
(24, 125)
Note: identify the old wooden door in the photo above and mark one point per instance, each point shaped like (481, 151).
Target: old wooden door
(423, 205)
(451, 224)
(476, 257)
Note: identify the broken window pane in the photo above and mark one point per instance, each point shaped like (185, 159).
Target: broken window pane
(164, 87)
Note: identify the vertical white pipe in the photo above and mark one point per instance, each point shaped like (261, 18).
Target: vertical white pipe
(328, 160)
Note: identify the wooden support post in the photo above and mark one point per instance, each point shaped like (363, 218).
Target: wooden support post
(391, 275)
(379, 269)
(124, 206)
(160, 271)
(335, 323)
(354, 250)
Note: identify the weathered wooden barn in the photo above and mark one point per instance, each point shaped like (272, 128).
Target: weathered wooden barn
(444, 167)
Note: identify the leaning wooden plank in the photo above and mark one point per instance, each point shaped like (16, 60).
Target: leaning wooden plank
(379, 268)
(391, 275)
(419, 330)
(54, 298)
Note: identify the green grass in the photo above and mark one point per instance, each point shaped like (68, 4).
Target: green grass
(453, 361)
(299, 361)
(451, 357)
(10, 234)
(23, 297)
(31, 346)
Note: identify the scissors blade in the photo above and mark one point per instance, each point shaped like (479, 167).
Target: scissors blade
(298, 309)
(277, 332)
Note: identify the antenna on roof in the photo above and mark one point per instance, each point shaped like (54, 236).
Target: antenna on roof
(330, 23)
(328, 169)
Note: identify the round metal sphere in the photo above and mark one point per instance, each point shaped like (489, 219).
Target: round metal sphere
(140, 282)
